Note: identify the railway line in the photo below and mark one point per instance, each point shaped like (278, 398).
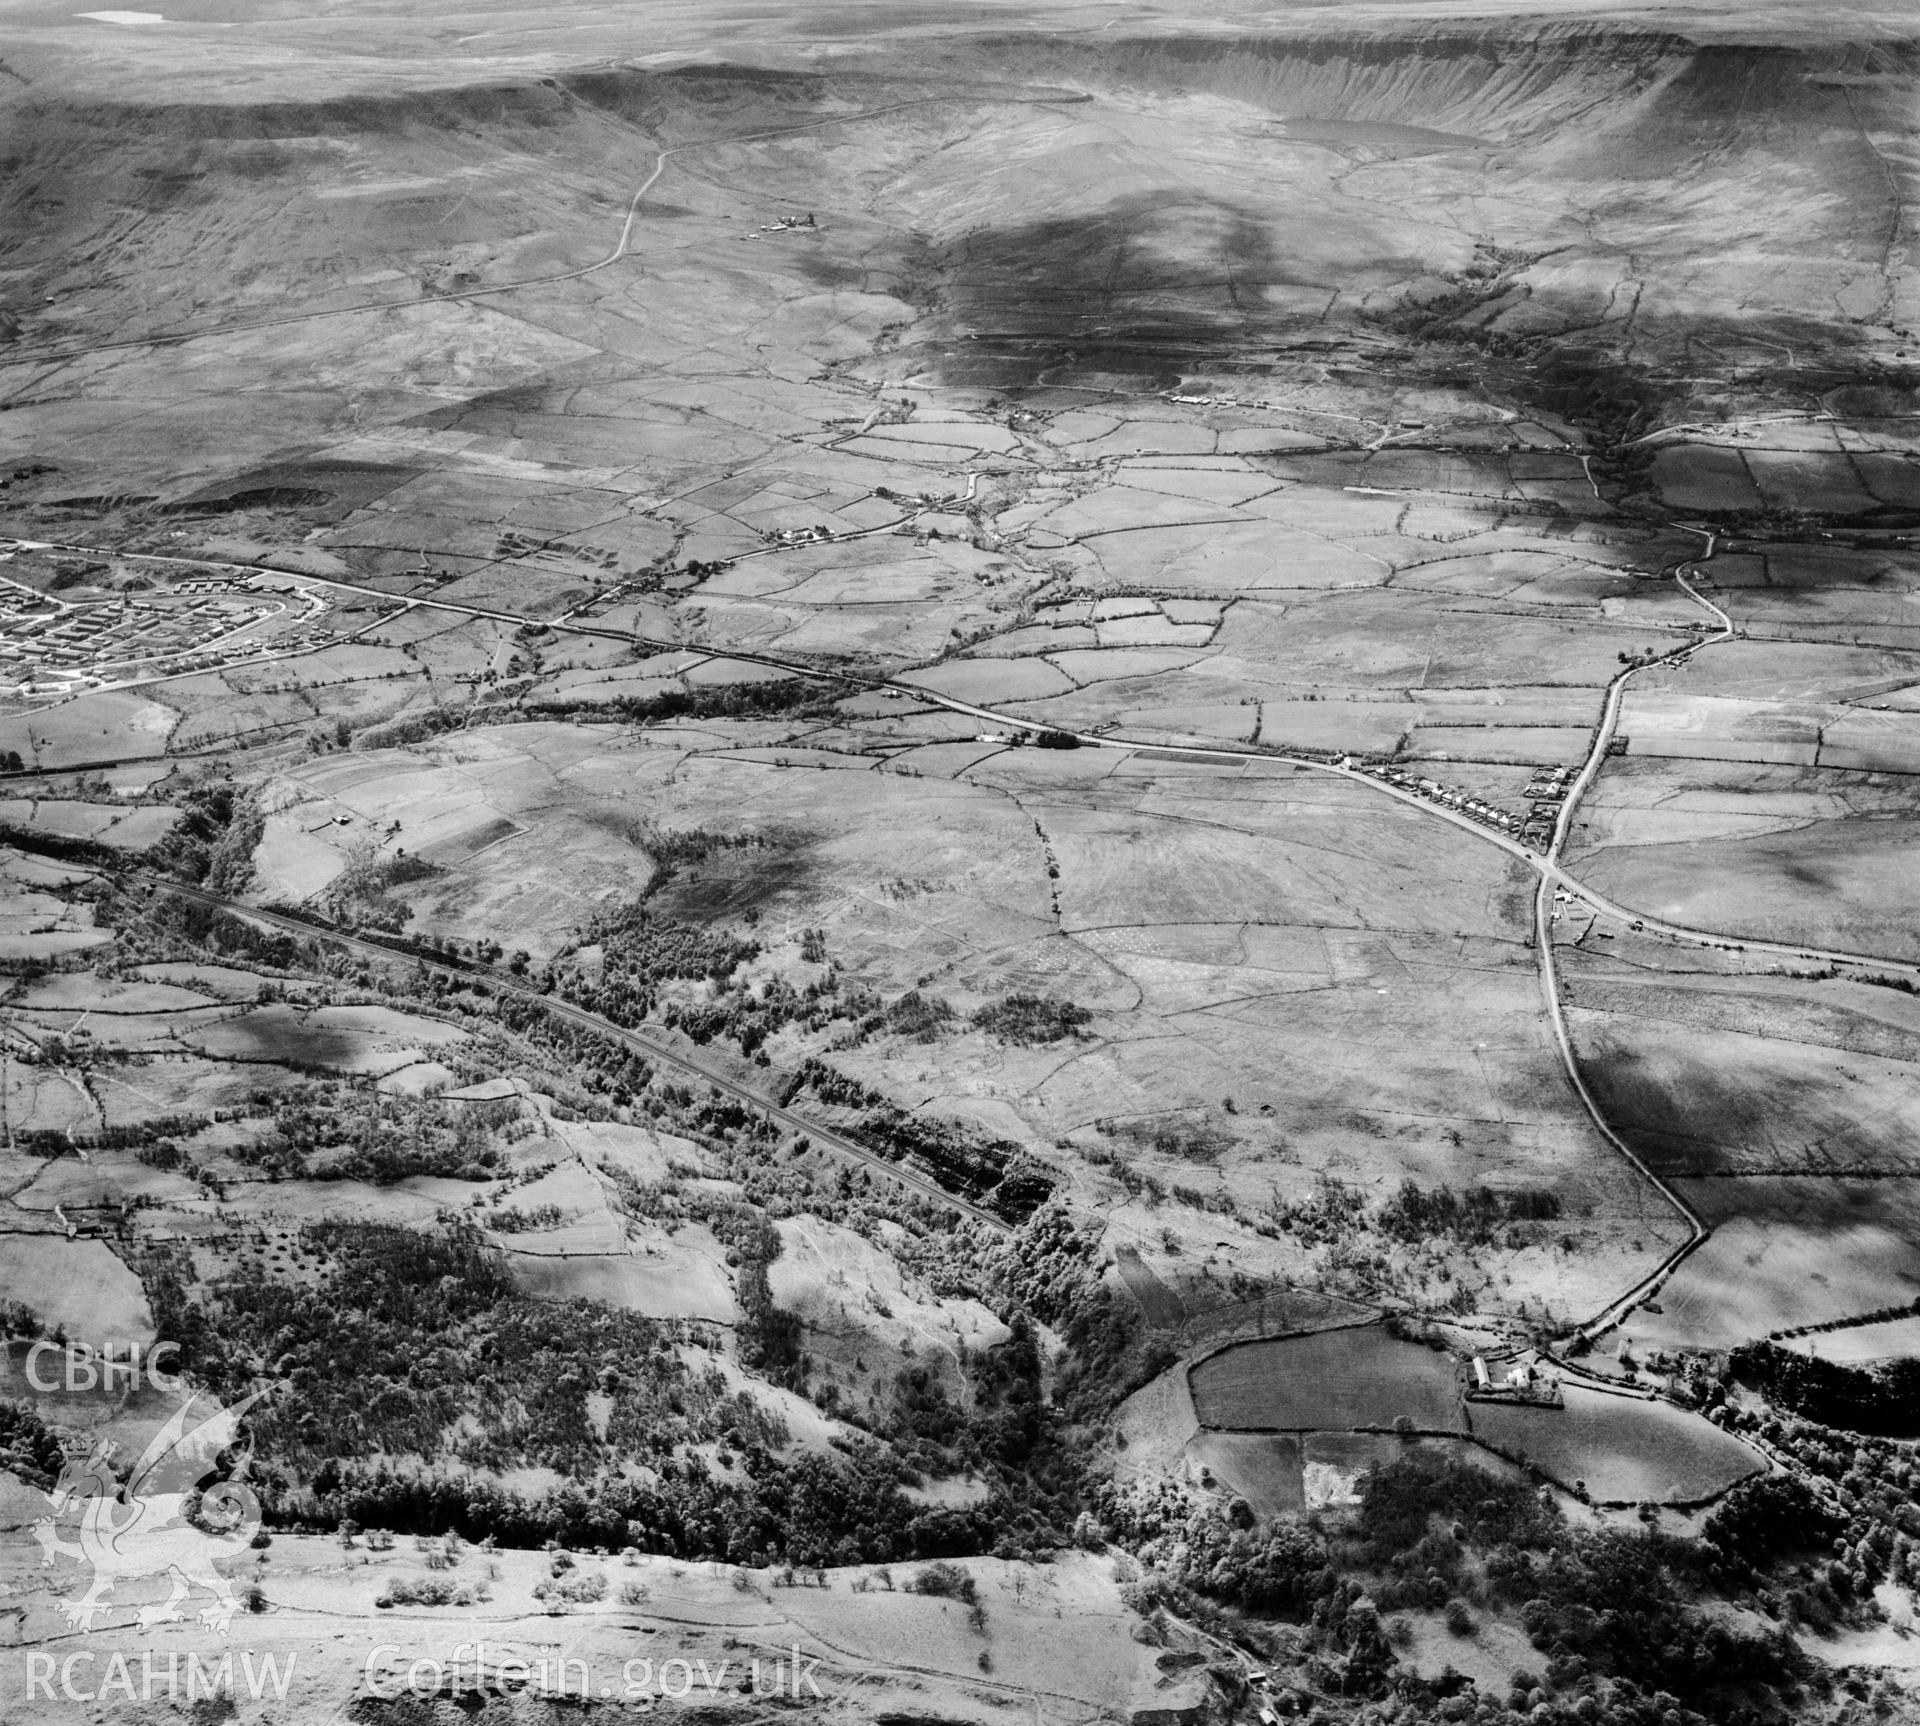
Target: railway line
(1550, 874)
(653, 1048)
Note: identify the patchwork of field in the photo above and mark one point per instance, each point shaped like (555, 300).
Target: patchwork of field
(1845, 884)
(1245, 940)
(38, 922)
(1751, 1075)
(310, 692)
(679, 1275)
(1294, 1421)
(1285, 1473)
(235, 1125)
(1814, 471)
(1788, 1251)
(689, 491)
(1783, 1110)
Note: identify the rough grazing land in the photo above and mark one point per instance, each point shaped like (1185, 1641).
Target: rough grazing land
(817, 798)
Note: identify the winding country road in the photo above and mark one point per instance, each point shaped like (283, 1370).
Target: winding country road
(1543, 919)
(1546, 865)
(1551, 878)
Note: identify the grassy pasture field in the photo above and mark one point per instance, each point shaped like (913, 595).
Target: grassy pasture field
(1103, 663)
(1211, 560)
(147, 1033)
(1277, 1419)
(585, 1222)
(1649, 811)
(128, 829)
(1157, 1423)
(1710, 728)
(1531, 573)
(1701, 1099)
(1499, 744)
(1765, 582)
(1863, 1344)
(1277, 1313)
(1388, 638)
(1825, 1012)
(1820, 483)
(41, 1099)
(1886, 742)
(1788, 1251)
(109, 725)
(271, 1211)
(479, 805)
(1704, 476)
(79, 1284)
(1873, 569)
(104, 1181)
(346, 1039)
(1264, 1468)
(181, 1084)
(84, 991)
(36, 923)
(1699, 727)
(1159, 1305)
(1327, 1381)
(680, 1273)
(417, 1079)
(1490, 1657)
(1849, 881)
(1815, 612)
(992, 682)
(1622, 1449)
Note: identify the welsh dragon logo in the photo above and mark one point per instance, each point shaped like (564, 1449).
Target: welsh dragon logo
(171, 1518)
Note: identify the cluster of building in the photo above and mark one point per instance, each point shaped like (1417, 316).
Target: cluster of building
(1546, 792)
(920, 499)
(1521, 1381)
(46, 644)
(1447, 796)
(782, 225)
(791, 536)
(75, 638)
